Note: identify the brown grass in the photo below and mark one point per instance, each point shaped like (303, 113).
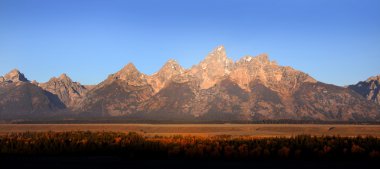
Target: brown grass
(258, 130)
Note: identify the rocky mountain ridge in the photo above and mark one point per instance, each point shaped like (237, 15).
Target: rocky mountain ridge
(216, 89)
(21, 99)
(369, 88)
(13, 76)
(65, 89)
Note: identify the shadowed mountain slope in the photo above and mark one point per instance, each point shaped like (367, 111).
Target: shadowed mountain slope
(369, 88)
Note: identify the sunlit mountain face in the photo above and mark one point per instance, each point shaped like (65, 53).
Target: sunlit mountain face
(253, 88)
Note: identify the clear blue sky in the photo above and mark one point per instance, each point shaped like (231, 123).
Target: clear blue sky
(335, 41)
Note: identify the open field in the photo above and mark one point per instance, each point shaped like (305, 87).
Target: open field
(259, 130)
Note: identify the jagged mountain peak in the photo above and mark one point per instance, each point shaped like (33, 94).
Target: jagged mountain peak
(64, 76)
(259, 59)
(65, 89)
(172, 66)
(217, 55)
(130, 74)
(269, 73)
(373, 78)
(14, 71)
(253, 88)
(213, 68)
(128, 71)
(220, 49)
(170, 69)
(170, 62)
(370, 89)
(15, 76)
(62, 79)
(130, 67)
(217, 58)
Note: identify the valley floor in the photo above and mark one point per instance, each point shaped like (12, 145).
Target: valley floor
(258, 130)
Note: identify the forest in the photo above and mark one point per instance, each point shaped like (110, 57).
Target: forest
(225, 147)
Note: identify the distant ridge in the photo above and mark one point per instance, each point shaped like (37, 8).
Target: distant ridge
(217, 89)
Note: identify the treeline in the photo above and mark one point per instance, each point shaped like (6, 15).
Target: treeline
(135, 146)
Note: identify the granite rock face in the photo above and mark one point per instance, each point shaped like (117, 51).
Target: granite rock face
(118, 95)
(215, 67)
(65, 89)
(14, 76)
(369, 88)
(20, 99)
(165, 75)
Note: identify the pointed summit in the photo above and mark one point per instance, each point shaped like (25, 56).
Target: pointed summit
(171, 61)
(373, 78)
(213, 68)
(14, 71)
(68, 92)
(61, 78)
(130, 74)
(128, 70)
(130, 67)
(64, 77)
(165, 74)
(217, 57)
(15, 76)
(171, 67)
(218, 53)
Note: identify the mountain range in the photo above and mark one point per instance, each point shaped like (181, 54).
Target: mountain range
(217, 89)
